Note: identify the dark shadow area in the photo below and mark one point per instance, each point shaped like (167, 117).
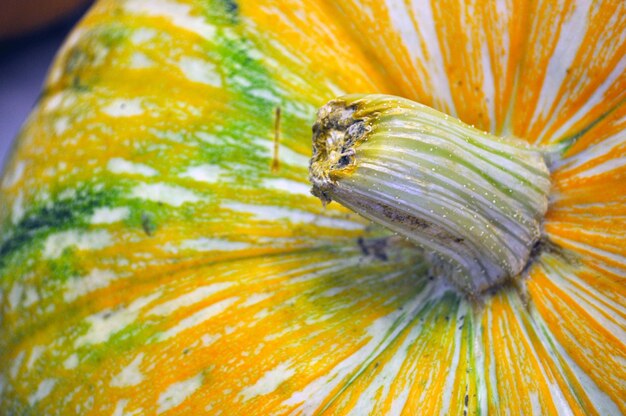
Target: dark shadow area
(24, 63)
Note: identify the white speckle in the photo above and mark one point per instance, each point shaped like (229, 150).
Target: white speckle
(201, 71)
(256, 298)
(285, 154)
(203, 173)
(272, 213)
(209, 138)
(199, 317)
(12, 177)
(168, 194)
(602, 168)
(264, 93)
(142, 35)
(17, 210)
(31, 296)
(206, 244)
(16, 364)
(35, 354)
(61, 125)
(15, 295)
(269, 381)
(288, 185)
(188, 298)
(81, 286)
(83, 240)
(53, 102)
(43, 390)
(119, 407)
(106, 215)
(242, 81)
(179, 15)
(139, 60)
(177, 393)
(68, 193)
(208, 339)
(333, 291)
(106, 323)
(71, 362)
(262, 314)
(121, 166)
(124, 107)
(130, 375)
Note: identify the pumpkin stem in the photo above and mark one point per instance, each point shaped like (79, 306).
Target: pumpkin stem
(475, 202)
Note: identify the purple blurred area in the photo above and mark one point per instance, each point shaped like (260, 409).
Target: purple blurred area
(24, 64)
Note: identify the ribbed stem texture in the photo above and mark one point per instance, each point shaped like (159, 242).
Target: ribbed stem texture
(474, 201)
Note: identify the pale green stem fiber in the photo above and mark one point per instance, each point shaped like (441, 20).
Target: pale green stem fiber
(472, 200)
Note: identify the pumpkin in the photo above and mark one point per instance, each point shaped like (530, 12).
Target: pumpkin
(160, 251)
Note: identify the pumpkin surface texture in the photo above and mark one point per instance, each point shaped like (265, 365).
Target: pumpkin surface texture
(161, 253)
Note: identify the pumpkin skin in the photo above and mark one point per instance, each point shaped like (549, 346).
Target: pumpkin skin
(152, 261)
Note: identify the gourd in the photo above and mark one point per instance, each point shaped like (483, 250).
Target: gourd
(160, 251)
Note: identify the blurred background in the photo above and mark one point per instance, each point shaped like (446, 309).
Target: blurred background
(31, 31)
